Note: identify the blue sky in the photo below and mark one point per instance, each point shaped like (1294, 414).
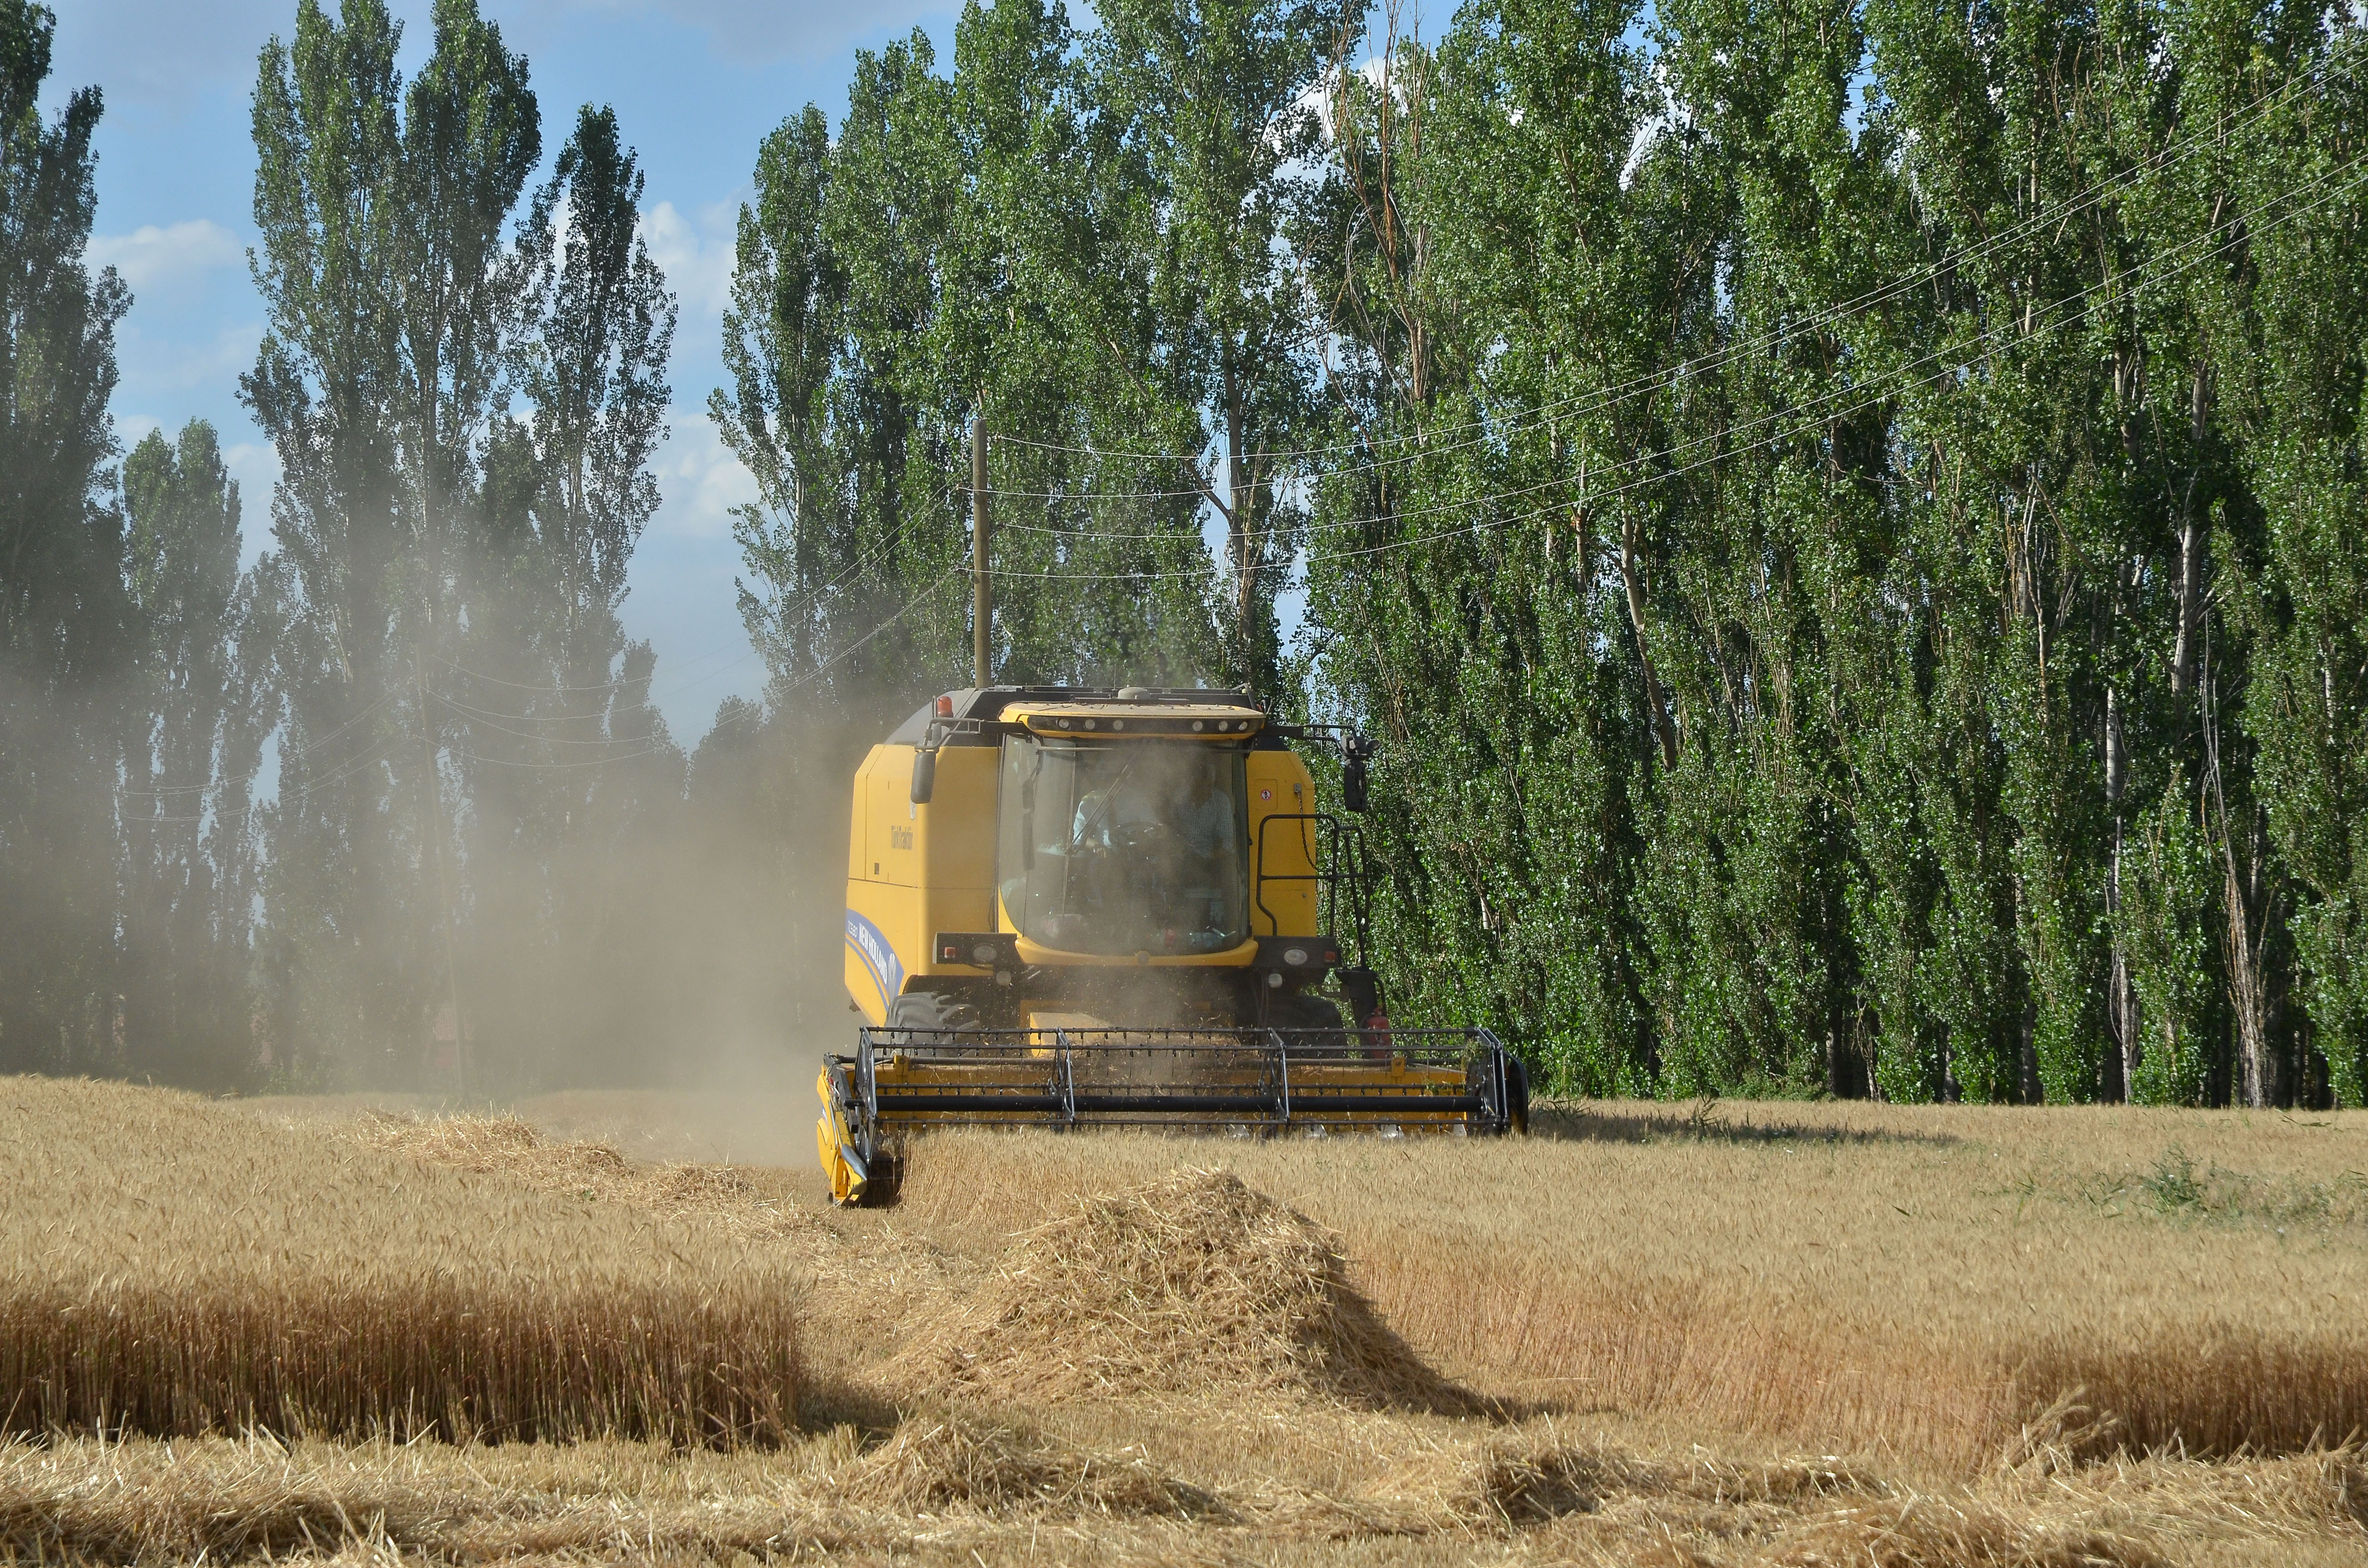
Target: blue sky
(696, 83)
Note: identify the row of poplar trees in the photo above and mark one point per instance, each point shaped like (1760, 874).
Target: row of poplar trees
(1845, 516)
(387, 800)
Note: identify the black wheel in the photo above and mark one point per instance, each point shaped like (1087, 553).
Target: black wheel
(930, 1019)
(1517, 1096)
(887, 1175)
(1301, 1011)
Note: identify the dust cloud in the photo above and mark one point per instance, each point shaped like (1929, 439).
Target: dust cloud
(704, 1039)
(666, 982)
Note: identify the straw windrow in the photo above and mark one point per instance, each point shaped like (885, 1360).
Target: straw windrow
(1189, 1283)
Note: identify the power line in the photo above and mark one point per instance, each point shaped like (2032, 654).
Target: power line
(305, 750)
(1830, 403)
(813, 675)
(2313, 82)
(804, 598)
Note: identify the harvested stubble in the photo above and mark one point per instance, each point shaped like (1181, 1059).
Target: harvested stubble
(1502, 1480)
(1187, 1284)
(946, 1459)
(1189, 1465)
(174, 1266)
(1918, 1281)
(1031, 1499)
(508, 1145)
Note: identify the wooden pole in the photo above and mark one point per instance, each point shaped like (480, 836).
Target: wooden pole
(982, 589)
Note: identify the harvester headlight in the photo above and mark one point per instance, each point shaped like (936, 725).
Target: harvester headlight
(1062, 723)
(1118, 723)
(1295, 957)
(1274, 980)
(983, 954)
(1197, 726)
(1090, 723)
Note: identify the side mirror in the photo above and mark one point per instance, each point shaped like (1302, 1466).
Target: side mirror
(1355, 750)
(924, 774)
(1361, 988)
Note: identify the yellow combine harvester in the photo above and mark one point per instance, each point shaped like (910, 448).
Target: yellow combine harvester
(1068, 907)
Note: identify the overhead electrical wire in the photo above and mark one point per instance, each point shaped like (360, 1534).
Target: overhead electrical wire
(811, 676)
(805, 597)
(1828, 405)
(2335, 64)
(305, 750)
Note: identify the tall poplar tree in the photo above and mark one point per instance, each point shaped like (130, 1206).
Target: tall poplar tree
(62, 614)
(198, 715)
(387, 290)
(569, 771)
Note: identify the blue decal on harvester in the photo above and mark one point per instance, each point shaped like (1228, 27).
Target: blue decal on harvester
(877, 956)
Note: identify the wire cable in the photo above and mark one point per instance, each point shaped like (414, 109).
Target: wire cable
(2329, 68)
(813, 675)
(1838, 402)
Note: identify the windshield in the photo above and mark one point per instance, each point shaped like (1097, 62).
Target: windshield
(1128, 847)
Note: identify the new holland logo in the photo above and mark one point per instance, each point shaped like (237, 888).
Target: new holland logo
(878, 957)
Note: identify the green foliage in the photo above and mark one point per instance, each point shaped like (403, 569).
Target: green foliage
(63, 615)
(2170, 891)
(1948, 481)
(194, 744)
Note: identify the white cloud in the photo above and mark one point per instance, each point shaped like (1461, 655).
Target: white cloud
(695, 254)
(698, 481)
(150, 257)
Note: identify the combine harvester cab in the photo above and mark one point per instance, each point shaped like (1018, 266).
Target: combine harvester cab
(1071, 907)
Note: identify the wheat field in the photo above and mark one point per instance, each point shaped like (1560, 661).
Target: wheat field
(1919, 1280)
(1734, 1335)
(173, 1267)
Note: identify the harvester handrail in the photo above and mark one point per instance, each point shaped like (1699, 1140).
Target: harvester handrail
(1337, 854)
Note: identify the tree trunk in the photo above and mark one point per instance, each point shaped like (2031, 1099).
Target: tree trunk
(2121, 995)
(1656, 700)
(2191, 540)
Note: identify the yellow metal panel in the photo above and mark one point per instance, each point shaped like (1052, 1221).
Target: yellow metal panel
(859, 842)
(1227, 958)
(891, 833)
(882, 915)
(956, 852)
(914, 870)
(1280, 786)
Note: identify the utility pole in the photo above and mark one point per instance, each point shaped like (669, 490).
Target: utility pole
(982, 592)
(432, 784)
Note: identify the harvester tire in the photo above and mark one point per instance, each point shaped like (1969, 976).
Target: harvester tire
(929, 1013)
(1517, 1096)
(887, 1175)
